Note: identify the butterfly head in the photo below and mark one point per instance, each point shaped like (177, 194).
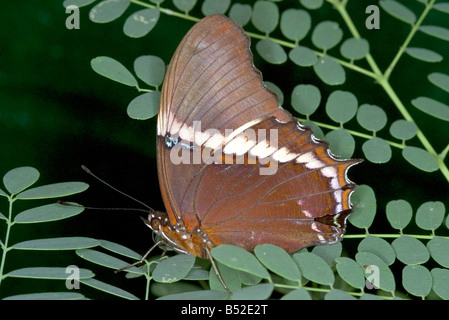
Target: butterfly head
(176, 237)
(156, 220)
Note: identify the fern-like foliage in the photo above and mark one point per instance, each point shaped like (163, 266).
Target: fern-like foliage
(17, 182)
(354, 98)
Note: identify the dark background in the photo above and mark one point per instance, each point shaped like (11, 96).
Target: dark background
(56, 114)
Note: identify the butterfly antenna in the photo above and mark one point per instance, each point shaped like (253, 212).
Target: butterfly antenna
(70, 204)
(115, 189)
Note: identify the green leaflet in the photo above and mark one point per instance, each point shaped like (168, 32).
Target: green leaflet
(441, 282)
(371, 117)
(105, 260)
(19, 179)
(240, 13)
(312, 4)
(398, 11)
(377, 150)
(341, 106)
(239, 259)
(211, 7)
(424, 54)
(257, 292)
(47, 296)
(278, 261)
(49, 212)
(399, 213)
(430, 215)
(328, 253)
(314, 268)
(438, 248)
(305, 98)
(231, 276)
(417, 280)
(102, 286)
(114, 70)
(197, 295)
(303, 56)
(443, 7)
(297, 294)
(336, 294)
(144, 106)
(326, 35)
(47, 273)
(141, 22)
(441, 80)
(271, 51)
(265, 16)
(184, 5)
(295, 24)
(341, 143)
(402, 129)
(54, 190)
(108, 10)
(376, 271)
(410, 251)
(64, 243)
(436, 31)
(364, 201)
(351, 272)
(329, 71)
(118, 248)
(354, 49)
(379, 247)
(275, 89)
(432, 107)
(173, 269)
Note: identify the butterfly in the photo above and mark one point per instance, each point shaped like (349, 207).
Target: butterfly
(234, 167)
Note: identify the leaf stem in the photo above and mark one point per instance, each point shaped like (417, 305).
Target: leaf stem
(340, 6)
(408, 39)
(382, 79)
(444, 153)
(9, 223)
(353, 132)
(381, 235)
(259, 36)
(324, 290)
(147, 287)
(292, 45)
(422, 138)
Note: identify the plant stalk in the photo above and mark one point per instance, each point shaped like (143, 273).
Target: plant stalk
(9, 223)
(382, 78)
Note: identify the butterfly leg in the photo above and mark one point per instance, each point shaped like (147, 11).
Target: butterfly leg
(141, 260)
(216, 270)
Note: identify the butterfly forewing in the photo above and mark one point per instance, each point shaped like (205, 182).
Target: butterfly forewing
(211, 80)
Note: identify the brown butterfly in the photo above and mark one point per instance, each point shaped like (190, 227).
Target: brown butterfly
(234, 167)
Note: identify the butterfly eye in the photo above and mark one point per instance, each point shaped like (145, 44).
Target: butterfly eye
(155, 223)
